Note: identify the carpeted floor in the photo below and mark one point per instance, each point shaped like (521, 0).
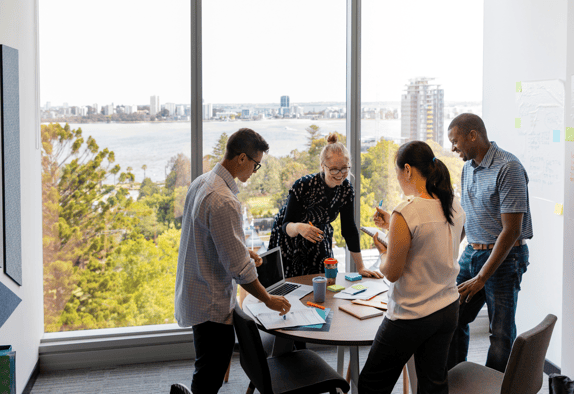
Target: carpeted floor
(157, 377)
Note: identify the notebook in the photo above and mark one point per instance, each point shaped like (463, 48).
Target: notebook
(372, 231)
(360, 311)
(272, 276)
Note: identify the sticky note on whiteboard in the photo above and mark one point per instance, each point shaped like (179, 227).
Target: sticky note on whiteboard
(569, 134)
(517, 123)
(518, 87)
(558, 209)
(556, 136)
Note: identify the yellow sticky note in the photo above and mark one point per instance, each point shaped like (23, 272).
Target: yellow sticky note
(569, 134)
(518, 87)
(517, 123)
(558, 209)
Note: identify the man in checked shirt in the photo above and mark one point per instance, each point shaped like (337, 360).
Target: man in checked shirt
(213, 258)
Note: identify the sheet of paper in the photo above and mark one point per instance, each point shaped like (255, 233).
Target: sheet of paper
(260, 307)
(373, 288)
(299, 317)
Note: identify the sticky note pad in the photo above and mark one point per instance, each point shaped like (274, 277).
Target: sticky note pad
(556, 136)
(558, 209)
(359, 287)
(518, 87)
(517, 122)
(569, 134)
(335, 288)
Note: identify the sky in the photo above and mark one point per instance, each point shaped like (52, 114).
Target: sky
(254, 51)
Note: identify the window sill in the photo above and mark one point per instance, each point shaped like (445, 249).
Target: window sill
(115, 346)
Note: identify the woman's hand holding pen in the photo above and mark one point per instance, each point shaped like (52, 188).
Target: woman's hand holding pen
(310, 232)
(382, 218)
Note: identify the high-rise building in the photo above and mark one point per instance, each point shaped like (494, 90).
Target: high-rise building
(285, 101)
(48, 105)
(154, 107)
(207, 111)
(171, 108)
(422, 111)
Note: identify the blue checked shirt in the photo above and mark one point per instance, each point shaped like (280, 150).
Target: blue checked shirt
(499, 184)
(212, 252)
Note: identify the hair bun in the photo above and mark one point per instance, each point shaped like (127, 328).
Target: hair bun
(332, 138)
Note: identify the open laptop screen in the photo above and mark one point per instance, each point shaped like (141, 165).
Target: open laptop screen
(271, 270)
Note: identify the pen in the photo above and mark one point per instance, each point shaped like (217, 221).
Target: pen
(310, 223)
(381, 203)
(284, 317)
(315, 305)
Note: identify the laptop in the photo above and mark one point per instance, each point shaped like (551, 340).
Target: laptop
(272, 276)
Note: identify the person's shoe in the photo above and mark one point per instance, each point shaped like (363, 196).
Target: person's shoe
(178, 388)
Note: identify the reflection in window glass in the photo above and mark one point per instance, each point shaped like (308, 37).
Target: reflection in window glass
(421, 66)
(281, 73)
(116, 148)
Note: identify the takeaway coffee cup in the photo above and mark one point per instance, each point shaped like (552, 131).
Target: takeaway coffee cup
(319, 288)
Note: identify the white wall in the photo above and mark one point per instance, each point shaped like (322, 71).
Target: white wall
(525, 40)
(568, 278)
(24, 328)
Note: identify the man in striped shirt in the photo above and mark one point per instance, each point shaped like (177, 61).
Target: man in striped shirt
(213, 259)
(495, 199)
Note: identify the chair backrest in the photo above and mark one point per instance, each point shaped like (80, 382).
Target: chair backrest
(251, 354)
(525, 368)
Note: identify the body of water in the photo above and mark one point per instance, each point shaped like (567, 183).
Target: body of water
(154, 143)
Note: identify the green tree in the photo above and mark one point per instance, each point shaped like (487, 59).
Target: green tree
(80, 210)
(313, 134)
(144, 167)
(219, 149)
(148, 188)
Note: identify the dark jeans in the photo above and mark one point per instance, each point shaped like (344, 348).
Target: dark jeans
(501, 296)
(396, 341)
(213, 349)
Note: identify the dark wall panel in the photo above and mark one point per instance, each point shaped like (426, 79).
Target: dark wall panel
(10, 125)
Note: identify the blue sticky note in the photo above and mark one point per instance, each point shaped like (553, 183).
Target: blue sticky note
(556, 136)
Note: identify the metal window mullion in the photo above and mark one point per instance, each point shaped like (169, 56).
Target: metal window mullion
(196, 91)
(354, 107)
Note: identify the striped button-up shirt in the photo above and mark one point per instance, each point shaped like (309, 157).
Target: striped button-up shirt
(499, 184)
(212, 258)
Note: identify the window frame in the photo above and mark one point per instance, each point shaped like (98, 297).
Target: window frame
(94, 348)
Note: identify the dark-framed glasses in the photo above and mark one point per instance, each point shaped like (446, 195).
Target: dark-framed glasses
(257, 164)
(335, 171)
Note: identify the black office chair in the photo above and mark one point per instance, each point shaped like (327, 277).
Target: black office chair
(524, 371)
(301, 371)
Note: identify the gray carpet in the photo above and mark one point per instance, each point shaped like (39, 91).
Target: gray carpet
(157, 377)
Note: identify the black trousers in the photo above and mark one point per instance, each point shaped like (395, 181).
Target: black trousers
(213, 344)
(396, 341)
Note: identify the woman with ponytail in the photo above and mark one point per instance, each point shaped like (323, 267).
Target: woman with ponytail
(302, 228)
(422, 264)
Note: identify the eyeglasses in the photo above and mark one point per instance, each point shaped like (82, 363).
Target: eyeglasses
(257, 164)
(335, 171)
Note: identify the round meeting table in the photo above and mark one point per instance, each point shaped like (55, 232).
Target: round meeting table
(345, 331)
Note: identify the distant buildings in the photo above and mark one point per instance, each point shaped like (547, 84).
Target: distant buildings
(285, 101)
(422, 111)
(154, 106)
(207, 111)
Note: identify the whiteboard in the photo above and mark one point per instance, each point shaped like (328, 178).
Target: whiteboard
(540, 108)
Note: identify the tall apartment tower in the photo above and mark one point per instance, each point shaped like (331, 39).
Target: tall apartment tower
(285, 101)
(154, 107)
(422, 111)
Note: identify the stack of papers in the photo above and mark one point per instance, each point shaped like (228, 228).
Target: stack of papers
(299, 315)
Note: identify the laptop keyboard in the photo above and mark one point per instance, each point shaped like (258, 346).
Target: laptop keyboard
(285, 288)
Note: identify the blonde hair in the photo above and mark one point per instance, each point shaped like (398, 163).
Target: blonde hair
(334, 147)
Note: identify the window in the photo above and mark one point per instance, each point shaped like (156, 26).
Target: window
(281, 73)
(413, 85)
(115, 87)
